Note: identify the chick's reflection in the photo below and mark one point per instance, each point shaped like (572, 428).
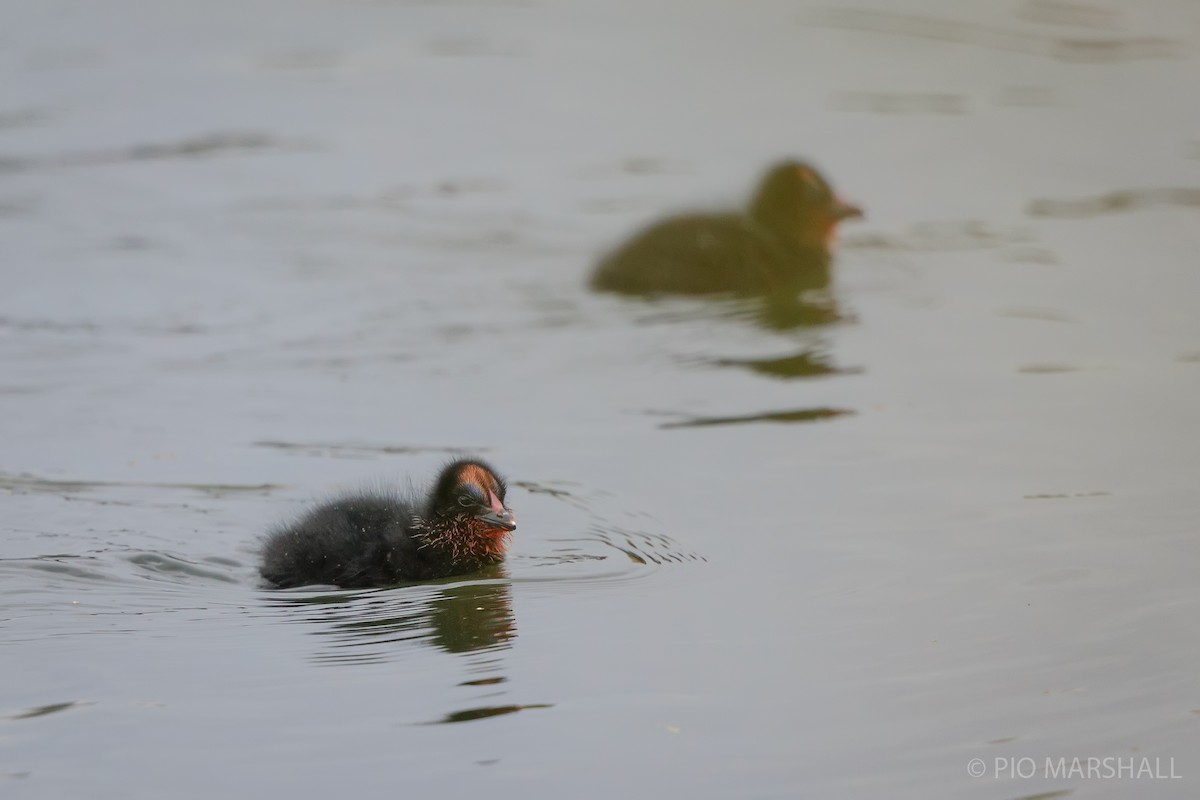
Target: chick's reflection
(473, 617)
(375, 626)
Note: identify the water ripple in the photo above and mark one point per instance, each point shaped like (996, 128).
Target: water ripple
(1116, 202)
(24, 483)
(1107, 49)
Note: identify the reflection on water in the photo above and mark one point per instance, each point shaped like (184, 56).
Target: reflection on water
(804, 364)
(781, 311)
(52, 708)
(785, 312)
(793, 415)
(370, 626)
(473, 618)
(483, 712)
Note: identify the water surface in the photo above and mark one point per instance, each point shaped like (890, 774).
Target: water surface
(254, 253)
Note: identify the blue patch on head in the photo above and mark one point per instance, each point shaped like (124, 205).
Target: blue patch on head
(474, 491)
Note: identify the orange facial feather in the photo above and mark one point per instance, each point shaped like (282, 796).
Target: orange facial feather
(475, 475)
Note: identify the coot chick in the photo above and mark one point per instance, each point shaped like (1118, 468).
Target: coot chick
(780, 244)
(378, 538)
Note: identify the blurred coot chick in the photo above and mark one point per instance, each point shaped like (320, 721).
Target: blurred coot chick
(779, 244)
(378, 538)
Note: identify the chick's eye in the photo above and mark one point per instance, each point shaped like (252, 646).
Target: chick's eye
(466, 501)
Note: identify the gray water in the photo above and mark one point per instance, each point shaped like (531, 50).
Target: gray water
(253, 253)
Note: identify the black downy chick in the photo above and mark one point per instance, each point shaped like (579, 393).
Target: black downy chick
(379, 538)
